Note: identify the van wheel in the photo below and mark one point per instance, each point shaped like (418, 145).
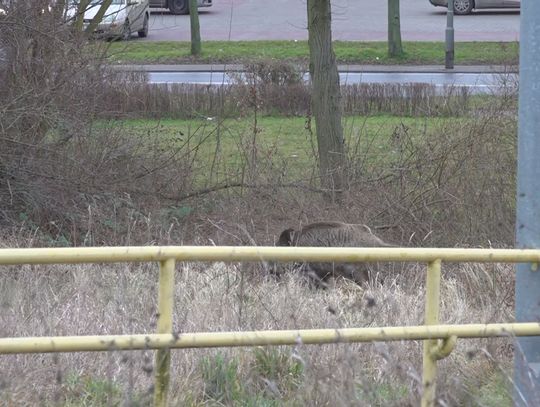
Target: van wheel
(179, 6)
(462, 7)
(126, 31)
(144, 32)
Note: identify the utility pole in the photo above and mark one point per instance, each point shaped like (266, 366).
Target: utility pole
(527, 350)
(449, 58)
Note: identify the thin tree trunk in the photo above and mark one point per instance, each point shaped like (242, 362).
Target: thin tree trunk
(79, 20)
(326, 97)
(98, 17)
(394, 29)
(195, 28)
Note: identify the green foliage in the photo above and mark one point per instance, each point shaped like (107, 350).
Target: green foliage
(178, 212)
(26, 219)
(109, 223)
(279, 368)
(383, 394)
(495, 391)
(58, 241)
(221, 380)
(83, 391)
(88, 391)
(498, 53)
(273, 377)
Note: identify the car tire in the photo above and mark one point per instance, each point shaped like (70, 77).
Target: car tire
(126, 31)
(179, 6)
(462, 7)
(144, 32)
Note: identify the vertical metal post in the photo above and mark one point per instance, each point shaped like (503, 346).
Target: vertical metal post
(433, 284)
(449, 57)
(527, 355)
(164, 326)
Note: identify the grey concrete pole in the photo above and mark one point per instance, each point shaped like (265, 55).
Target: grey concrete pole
(527, 353)
(449, 57)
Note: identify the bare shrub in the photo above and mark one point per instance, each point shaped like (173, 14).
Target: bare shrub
(455, 184)
(43, 88)
(191, 101)
(274, 87)
(142, 100)
(63, 169)
(271, 87)
(419, 100)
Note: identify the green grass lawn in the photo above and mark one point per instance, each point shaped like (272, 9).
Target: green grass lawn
(499, 53)
(225, 146)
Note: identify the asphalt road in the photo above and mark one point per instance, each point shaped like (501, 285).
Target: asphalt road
(476, 82)
(353, 20)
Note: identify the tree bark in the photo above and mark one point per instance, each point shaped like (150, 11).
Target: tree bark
(195, 28)
(394, 29)
(98, 17)
(326, 97)
(79, 20)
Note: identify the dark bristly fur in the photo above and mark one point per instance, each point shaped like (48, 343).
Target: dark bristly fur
(333, 234)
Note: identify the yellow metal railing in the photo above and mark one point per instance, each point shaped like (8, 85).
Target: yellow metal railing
(439, 340)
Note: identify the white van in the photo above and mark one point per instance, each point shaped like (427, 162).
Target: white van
(121, 20)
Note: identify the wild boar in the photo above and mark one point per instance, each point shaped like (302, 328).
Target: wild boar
(332, 234)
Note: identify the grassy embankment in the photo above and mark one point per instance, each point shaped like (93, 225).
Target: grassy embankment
(420, 53)
(103, 299)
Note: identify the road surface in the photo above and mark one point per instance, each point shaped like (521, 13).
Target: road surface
(476, 82)
(353, 20)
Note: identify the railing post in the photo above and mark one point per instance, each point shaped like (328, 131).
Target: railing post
(164, 326)
(433, 284)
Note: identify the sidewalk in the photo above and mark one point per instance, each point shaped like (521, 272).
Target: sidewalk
(342, 68)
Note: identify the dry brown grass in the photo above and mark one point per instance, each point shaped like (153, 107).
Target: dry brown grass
(121, 299)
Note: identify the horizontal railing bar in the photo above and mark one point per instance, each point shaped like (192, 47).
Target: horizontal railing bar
(261, 338)
(259, 253)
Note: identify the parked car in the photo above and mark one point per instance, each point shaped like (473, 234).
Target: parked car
(178, 6)
(121, 19)
(466, 6)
